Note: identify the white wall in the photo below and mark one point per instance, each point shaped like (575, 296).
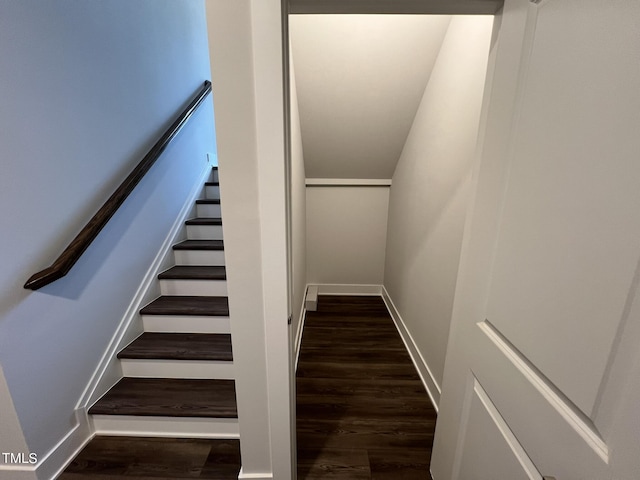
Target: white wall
(346, 234)
(229, 25)
(85, 89)
(360, 79)
(298, 205)
(245, 39)
(11, 435)
(267, 37)
(429, 195)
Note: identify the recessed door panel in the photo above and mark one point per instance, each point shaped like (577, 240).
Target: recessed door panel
(544, 420)
(490, 451)
(570, 231)
(546, 317)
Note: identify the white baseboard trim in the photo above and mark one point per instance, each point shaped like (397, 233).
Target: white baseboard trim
(11, 472)
(430, 384)
(348, 182)
(66, 450)
(255, 476)
(108, 371)
(348, 289)
(298, 339)
(311, 298)
(52, 463)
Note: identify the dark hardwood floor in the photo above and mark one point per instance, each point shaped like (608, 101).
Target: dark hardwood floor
(169, 397)
(113, 458)
(362, 411)
(188, 305)
(180, 346)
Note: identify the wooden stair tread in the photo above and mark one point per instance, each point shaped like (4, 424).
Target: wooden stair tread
(204, 221)
(194, 272)
(212, 184)
(160, 458)
(188, 305)
(200, 245)
(179, 346)
(169, 397)
(208, 201)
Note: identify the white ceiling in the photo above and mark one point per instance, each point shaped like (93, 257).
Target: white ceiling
(360, 79)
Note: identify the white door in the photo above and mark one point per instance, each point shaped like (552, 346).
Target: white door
(542, 376)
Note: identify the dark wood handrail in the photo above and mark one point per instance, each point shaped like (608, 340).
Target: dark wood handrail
(76, 248)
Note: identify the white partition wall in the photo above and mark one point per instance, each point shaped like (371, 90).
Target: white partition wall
(246, 58)
(346, 234)
(429, 196)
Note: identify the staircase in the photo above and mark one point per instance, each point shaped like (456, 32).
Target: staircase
(178, 374)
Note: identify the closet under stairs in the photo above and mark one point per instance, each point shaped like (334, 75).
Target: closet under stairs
(178, 375)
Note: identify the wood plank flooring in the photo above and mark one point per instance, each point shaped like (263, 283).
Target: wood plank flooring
(180, 346)
(362, 411)
(204, 221)
(111, 458)
(169, 397)
(188, 305)
(199, 245)
(194, 272)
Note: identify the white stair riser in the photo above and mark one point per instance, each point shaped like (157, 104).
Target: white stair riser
(208, 210)
(185, 324)
(212, 192)
(205, 288)
(214, 177)
(177, 369)
(138, 426)
(204, 232)
(199, 257)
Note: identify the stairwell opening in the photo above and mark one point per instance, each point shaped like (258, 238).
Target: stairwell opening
(384, 119)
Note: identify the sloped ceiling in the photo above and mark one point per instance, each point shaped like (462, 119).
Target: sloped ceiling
(360, 79)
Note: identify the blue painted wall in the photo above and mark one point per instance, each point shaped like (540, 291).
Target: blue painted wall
(86, 87)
